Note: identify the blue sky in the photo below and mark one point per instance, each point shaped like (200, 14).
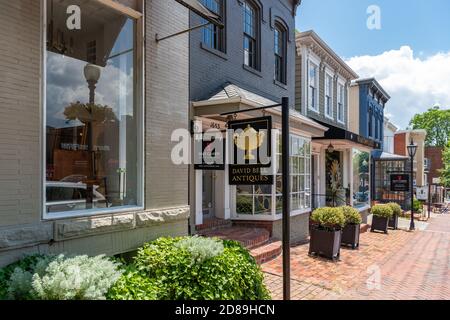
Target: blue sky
(424, 25)
(409, 55)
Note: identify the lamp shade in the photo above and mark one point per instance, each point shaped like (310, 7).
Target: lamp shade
(330, 148)
(92, 72)
(412, 149)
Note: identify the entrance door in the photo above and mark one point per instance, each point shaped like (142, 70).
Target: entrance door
(208, 202)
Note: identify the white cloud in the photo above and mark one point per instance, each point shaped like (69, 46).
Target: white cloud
(414, 83)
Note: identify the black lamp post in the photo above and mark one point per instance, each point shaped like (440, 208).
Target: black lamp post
(412, 150)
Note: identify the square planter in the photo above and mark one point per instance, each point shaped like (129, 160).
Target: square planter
(393, 222)
(350, 235)
(325, 243)
(380, 224)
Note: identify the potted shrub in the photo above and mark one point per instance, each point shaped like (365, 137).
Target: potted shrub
(396, 212)
(326, 232)
(351, 231)
(381, 215)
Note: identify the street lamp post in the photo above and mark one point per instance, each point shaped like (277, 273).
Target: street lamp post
(412, 149)
(92, 75)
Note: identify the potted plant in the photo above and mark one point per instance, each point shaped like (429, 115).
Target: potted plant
(396, 212)
(326, 232)
(381, 215)
(352, 229)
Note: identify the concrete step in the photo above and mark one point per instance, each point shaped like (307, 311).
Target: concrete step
(267, 252)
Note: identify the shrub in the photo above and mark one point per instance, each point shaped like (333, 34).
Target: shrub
(382, 210)
(232, 275)
(201, 249)
(417, 205)
(133, 285)
(352, 216)
(396, 209)
(42, 277)
(329, 218)
(77, 278)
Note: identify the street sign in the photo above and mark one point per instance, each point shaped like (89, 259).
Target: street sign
(400, 182)
(422, 193)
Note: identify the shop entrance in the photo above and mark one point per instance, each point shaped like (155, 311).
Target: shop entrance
(208, 198)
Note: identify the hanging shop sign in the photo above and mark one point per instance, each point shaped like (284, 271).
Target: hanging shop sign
(210, 156)
(422, 193)
(250, 151)
(400, 182)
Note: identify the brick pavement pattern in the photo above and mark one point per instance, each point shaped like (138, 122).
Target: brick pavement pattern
(411, 266)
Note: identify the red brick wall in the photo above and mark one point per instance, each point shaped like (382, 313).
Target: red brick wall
(400, 144)
(434, 155)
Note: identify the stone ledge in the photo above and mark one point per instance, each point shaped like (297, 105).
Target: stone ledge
(76, 228)
(151, 217)
(22, 236)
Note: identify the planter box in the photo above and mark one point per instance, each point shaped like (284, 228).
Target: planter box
(393, 222)
(380, 224)
(350, 235)
(325, 243)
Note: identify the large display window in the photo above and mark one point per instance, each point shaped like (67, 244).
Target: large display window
(361, 178)
(92, 113)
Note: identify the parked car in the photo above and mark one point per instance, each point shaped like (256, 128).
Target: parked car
(70, 196)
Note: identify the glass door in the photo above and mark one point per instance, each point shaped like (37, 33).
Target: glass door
(208, 201)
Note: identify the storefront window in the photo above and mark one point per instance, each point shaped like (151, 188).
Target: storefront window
(361, 178)
(91, 111)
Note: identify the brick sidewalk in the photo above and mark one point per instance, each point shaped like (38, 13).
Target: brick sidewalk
(412, 266)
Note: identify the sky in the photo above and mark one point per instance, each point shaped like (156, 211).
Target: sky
(408, 52)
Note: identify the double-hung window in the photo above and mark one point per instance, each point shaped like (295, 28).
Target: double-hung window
(93, 112)
(280, 54)
(250, 35)
(213, 36)
(329, 95)
(341, 103)
(313, 76)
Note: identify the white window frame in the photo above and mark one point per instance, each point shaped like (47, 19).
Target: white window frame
(329, 115)
(140, 101)
(316, 63)
(341, 82)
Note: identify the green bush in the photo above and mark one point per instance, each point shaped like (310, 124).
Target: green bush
(352, 216)
(133, 285)
(382, 210)
(232, 275)
(417, 205)
(59, 278)
(396, 209)
(329, 218)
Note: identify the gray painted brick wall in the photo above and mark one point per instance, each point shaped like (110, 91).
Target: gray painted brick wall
(208, 71)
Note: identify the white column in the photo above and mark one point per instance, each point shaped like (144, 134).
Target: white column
(198, 197)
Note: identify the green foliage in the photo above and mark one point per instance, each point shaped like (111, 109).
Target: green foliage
(382, 210)
(59, 278)
(133, 285)
(437, 124)
(417, 205)
(232, 275)
(445, 172)
(329, 218)
(201, 249)
(352, 216)
(396, 209)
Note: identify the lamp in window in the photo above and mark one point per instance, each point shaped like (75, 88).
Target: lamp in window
(92, 74)
(330, 148)
(412, 150)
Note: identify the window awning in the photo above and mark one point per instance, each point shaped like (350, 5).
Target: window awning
(336, 133)
(202, 11)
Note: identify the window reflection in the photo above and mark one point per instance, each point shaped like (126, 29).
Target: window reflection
(361, 178)
(91, 116)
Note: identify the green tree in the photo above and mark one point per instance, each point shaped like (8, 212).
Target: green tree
(445, 172)
(437, 123)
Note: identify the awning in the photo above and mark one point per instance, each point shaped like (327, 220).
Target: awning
(336, 133)
(385, 156)
(202, 11)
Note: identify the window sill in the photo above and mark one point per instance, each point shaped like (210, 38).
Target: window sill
(254, 71)
(215, 52)
(90, 213)
(329, 117)
(280, 84)
(314, 110)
